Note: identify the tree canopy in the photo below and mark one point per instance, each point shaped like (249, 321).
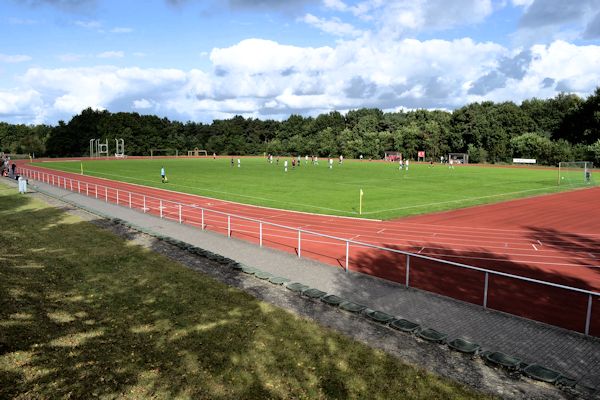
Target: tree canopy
(562, 128)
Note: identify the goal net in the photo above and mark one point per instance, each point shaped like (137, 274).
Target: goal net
(197, 153)
(575, 173)
(164, 153)
(458, 158)
(392, 156)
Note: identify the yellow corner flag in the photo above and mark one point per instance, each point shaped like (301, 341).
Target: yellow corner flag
(30, 158)
(360, 202)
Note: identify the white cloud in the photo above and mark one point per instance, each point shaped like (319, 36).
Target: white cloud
(142, 104)
(89, 24)
(16, 58)
(111, 54)
(120, 29)
(522, 3)
(333, 26)
(262, 78)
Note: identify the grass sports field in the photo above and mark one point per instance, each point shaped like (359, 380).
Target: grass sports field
(388, 192)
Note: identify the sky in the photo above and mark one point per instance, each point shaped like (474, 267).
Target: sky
(199, 60)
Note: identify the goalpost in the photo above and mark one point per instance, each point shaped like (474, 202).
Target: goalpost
(197, 153)
(392, 156)
(458, 158)
(164, 153)
(575, 173)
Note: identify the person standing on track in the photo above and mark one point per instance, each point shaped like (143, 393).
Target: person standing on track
(163, 175)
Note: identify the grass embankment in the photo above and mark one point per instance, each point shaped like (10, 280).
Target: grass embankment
(85, 314)
(388, 192)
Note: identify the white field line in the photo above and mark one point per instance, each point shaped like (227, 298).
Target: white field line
(217, 191)
(377, 240)
(457, 200)
(540, 243)
(534, 247)
(292, 239)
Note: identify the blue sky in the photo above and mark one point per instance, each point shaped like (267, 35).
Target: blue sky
(200, 60)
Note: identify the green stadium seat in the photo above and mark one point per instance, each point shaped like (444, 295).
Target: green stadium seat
(332, 300)
(404, 325)
(352, 307)
(541, 373)
(379, 316)
(278, 280)
(296, 287)
(501, 359)
(464, 346)
(431, 335)
(262, 275)
(249, 270)
(313, 293)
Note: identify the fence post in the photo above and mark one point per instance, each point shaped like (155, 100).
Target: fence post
(96, 189)
(129, 199)
(160, 207)
(117, 196)
(407, 270)
(485, 290)
(78, 187)
(347, 254)
(299, 242)
(87, 189)
(180, 214)
(106, 193)
(71, 182)
(229, 226)
(260, 233)
(202, 222)
(52, 180)
(588, 316)
(144, 207)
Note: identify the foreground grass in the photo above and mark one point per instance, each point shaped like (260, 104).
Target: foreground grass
(388, 192)
(84, 314)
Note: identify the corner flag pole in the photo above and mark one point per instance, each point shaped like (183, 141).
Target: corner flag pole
(360, 202)
(81, 164)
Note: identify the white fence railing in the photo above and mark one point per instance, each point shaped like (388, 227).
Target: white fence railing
(199, 216)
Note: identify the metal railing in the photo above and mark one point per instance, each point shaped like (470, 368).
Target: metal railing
(134, 199)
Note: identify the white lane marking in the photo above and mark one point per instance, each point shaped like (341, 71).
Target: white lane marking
(534, 247)
(540, 243)
(381, 230)
(422, 248)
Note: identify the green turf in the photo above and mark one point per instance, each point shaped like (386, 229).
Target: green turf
(388, 192)
(85, 314)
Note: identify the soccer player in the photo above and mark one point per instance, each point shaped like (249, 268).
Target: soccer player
(306, 159)
(400, 164)
(232, 162)
(330, 163)
(285, 165)
(163, 175)
(406, 164)
(451, 164)
(239, 162)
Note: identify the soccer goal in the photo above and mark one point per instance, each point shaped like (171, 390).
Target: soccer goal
(164, 153)
(197, 153)
(458, 158)
(575, 173)
(392, 156)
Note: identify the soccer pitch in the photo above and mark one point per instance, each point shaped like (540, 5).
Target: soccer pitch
(388, 192)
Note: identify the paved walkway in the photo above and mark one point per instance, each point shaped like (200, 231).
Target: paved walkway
(570, 353)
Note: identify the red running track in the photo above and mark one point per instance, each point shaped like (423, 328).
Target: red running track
(554, 238)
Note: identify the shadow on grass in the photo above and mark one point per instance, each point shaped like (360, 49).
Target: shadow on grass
(84, 314)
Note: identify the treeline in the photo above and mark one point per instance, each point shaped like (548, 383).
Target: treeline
(563, 128)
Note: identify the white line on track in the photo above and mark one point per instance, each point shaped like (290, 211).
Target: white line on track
(540, 243)
(536, 249)
(422, 248)
(380, 231)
